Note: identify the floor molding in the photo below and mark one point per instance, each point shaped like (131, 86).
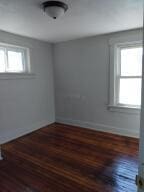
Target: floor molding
(99, 127)
(10, 135)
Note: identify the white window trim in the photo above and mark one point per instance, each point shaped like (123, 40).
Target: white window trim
(115, 44)
(124, 109)
(7, 76)
(18, 75)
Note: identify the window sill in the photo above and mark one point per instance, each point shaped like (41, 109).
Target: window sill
(124, 109)
(6, 76)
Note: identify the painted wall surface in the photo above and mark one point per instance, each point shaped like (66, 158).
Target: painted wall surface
(27, 104)
(82, 85)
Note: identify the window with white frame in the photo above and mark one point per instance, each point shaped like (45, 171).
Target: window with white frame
(13, 59)
(126, 75)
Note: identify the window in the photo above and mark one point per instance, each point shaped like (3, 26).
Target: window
(126, 75)
(129, 75)
(13, 59)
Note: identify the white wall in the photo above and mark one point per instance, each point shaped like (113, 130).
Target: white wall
(81, 84)
(27, 104)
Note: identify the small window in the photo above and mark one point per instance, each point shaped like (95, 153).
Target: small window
(126, 75)
(13, 59)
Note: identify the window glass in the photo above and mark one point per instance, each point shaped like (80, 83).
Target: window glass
(15, 62)
(13, 59)
(131, 61)
(130, 91)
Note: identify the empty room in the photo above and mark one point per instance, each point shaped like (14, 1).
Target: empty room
(71, 96)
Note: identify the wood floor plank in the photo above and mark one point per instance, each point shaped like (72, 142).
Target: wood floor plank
(63, 158)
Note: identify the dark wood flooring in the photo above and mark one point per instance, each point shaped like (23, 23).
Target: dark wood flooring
(63, 158)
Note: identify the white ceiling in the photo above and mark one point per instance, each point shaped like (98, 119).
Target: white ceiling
(84, 18)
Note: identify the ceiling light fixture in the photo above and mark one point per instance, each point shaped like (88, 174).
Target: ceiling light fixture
(54, 9)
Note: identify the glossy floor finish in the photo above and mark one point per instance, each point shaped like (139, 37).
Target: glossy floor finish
(63, 158)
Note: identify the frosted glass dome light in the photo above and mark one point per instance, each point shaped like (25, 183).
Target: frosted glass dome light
(55, 9)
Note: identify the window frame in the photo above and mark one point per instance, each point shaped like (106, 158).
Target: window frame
(25, 59)
(116, 45)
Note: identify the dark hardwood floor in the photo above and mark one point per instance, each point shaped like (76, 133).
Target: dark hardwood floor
(63, 158)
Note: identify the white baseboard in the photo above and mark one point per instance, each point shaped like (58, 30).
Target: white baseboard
(99, 127)
(13, 134)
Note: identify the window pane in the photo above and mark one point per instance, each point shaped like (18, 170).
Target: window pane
(131, 61)
(15, 62)
(130, 91)
(2, 61)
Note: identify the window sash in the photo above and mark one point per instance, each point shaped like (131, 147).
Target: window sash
(8, 61)
(118, 58)
(129, 77)
(118, 76)
(25, 60)
(117, 90)
(134, 40)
